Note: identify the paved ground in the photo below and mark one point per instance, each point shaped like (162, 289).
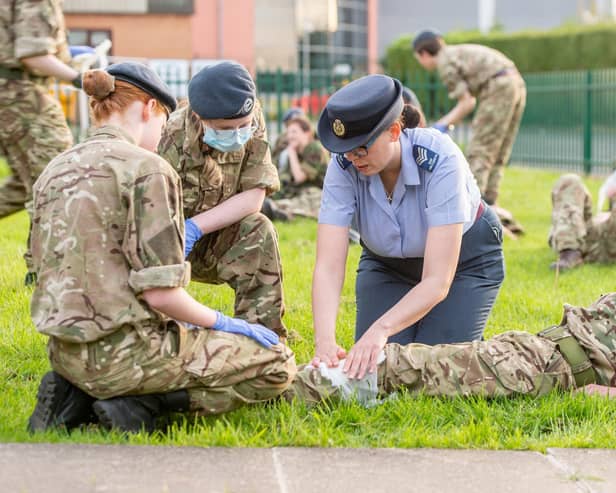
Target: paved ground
(27, 468)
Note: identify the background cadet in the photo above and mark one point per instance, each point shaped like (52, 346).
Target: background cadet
(218, 145)
(578, 353)
(281, 141)
(575, 234)
(111, 280)
(33, 129)
(301, 168)
(432, 250)
(470, 73)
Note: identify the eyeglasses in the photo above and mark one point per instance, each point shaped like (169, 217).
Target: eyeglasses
(222, 132)
(362, 151)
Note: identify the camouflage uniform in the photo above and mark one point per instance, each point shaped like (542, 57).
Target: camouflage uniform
(108, 225)
(574, 227)
(304, 199)
(510, 363)
(280, 145)
(32, 126)
(501, 93)
(244, 255)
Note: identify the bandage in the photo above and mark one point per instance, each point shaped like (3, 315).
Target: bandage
(364, 390)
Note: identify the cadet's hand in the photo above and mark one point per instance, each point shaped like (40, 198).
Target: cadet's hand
(329, 354)
(192, 233)
(259, 333)
(441, 127)
(362, 357)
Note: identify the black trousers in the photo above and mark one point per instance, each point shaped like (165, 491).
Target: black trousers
(381, 282)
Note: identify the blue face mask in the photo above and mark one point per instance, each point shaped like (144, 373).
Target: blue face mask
(227, 140)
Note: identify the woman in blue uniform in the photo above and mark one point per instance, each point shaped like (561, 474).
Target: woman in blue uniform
(432, 260)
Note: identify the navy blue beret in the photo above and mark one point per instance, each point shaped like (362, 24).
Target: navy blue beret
(145, 79)
(425, 35)
(224, 90)
(292, 113)
(359, 112)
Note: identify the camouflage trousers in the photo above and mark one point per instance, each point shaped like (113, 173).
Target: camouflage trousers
(33, 131)
(507, 364)
(246, 256)
(221, 371)
(305, 202)
(494, 128)
(574, 227)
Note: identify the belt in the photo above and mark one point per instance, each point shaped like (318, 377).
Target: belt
(480, 210)
(574, 354)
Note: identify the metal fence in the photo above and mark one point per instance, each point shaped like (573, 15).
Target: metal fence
(569, 122)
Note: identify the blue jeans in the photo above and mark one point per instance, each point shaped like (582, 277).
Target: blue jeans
(381, 282)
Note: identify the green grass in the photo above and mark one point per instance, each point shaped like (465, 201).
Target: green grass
(529, 300)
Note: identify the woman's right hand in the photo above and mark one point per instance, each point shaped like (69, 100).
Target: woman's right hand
(330, 354)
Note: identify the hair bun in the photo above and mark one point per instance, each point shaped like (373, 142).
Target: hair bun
(98, 83)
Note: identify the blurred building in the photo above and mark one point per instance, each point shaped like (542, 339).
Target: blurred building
(292, 35)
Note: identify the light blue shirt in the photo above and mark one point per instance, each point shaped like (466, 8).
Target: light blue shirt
(448, 194)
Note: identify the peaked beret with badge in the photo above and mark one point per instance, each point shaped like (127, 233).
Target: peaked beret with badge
(224, 90)
(359, 112)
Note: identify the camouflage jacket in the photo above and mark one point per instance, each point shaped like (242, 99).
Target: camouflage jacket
(595, 329)
(468, 67)
(313, 160)
(107, 225)
(209, 176)
(31, 28)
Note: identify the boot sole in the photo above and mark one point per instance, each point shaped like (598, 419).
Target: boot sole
(53, 393)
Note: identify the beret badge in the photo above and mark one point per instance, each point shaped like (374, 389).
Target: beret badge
(248, 104)
(338, 128)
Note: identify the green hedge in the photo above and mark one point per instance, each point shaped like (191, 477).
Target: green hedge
(564, 48)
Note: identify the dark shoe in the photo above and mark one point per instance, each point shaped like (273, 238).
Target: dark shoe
(568, 259)
(60, 403)
(139, 412)
(30, 279)
(275, 213)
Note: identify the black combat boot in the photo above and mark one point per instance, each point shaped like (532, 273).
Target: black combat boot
(136, 412)
(568, 259)
(60, 403)
(273, 212)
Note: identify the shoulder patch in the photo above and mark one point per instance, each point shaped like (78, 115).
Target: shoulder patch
(424, 157)
(343, 162)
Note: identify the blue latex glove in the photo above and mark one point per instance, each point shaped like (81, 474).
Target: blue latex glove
(262, 335)
(80, 50)
(441, 127)
(192, 233)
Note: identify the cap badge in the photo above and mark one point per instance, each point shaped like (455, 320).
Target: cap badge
(248, 104)
(338, 128)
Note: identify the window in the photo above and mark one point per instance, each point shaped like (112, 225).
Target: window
(170, 6)
(89, 37)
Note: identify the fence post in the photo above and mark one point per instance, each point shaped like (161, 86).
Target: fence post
(278, 87)
(588, 124)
